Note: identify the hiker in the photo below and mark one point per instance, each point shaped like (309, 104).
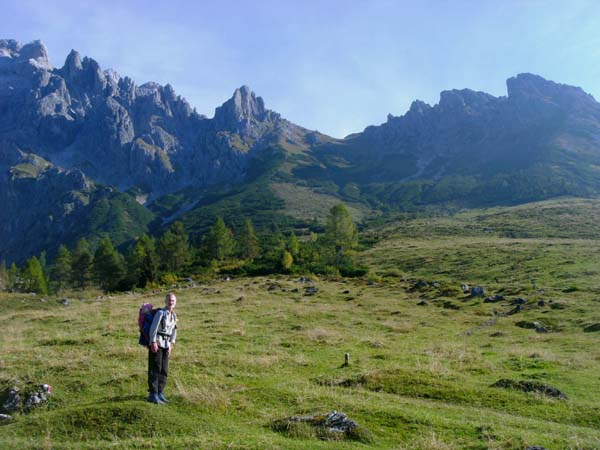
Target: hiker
(163, 332)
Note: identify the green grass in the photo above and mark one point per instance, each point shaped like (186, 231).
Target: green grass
(420, 377)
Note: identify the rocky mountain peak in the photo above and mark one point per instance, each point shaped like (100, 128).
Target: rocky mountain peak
(462, 99)
(34, 53)
(72, 64)
(241, 109)
(527, 86)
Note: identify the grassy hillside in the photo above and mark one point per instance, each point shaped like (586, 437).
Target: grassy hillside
(423, 358)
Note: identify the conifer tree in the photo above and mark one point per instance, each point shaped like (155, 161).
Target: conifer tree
(33, 277)
(81, 264)
(108, 269)
(13, 277)
(142, 263)
(341, 236)
(44, 264)
(3, 275)
(286, 260)
(218, 242)
(173, 248)
(61, 270)
(292, 245)
(248, 242)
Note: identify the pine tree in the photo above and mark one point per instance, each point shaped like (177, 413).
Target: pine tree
(81, 264)
(286, 260)
(43, 263)
(108, 269)
(13, 277)
(142, 263)
(3, 275)
(292, 245)
(173, 249)
(61, 270)
(341, 236)
(218, 242)
(248, 242)
(33, 277)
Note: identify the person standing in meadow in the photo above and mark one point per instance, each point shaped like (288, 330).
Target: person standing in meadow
(163, 333)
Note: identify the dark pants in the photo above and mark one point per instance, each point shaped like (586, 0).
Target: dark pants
(158, 370)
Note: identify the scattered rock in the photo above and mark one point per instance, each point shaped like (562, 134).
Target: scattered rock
(12, 402)
(295, 290)
(556, 305)
(477, 291)
(436, 284)
(310, 290)
(541, 303)
(515, 310)
(497, 334)
(5, 417)
(518, 301)
(346, 292)
(592, 328)
(538, 327)
(333, 425)
(423, 303)
(43, 300)
(32, 400)
(421, 284)
(465, 288)
(304, 280)
(371, 283)
(494, 299)
(274, 287)
(65, 301)
(240, 299)
(530, 386)
(450, 305)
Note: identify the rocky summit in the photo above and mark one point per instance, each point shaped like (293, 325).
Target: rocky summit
(80, 145)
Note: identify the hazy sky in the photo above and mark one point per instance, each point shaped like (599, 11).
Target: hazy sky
(336, 66)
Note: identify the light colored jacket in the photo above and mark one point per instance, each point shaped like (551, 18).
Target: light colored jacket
(163, 332)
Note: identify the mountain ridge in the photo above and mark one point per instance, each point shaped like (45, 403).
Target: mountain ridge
(541, 140)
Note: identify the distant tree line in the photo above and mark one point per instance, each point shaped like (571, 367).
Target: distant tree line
(152, 262)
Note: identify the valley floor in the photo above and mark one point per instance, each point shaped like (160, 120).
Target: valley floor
(423, 354)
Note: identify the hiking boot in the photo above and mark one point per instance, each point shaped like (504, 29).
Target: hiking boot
(162, 397)
(153, 398)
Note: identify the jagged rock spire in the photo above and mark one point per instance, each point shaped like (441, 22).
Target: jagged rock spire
(240, 109)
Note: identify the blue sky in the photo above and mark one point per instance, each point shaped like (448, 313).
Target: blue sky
(336, 66)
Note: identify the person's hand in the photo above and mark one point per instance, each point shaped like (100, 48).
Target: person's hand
(154, 347)
(170, 350)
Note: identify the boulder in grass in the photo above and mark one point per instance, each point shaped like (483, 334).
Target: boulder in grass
(592, 328)
(310, 290)
(13, 400)
(328, 426)
(477, 291)
(494, 299)
(5, 417)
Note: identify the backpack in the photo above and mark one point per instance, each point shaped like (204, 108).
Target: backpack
(145, 318)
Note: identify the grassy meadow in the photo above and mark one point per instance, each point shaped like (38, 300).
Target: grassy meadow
(423, 355)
